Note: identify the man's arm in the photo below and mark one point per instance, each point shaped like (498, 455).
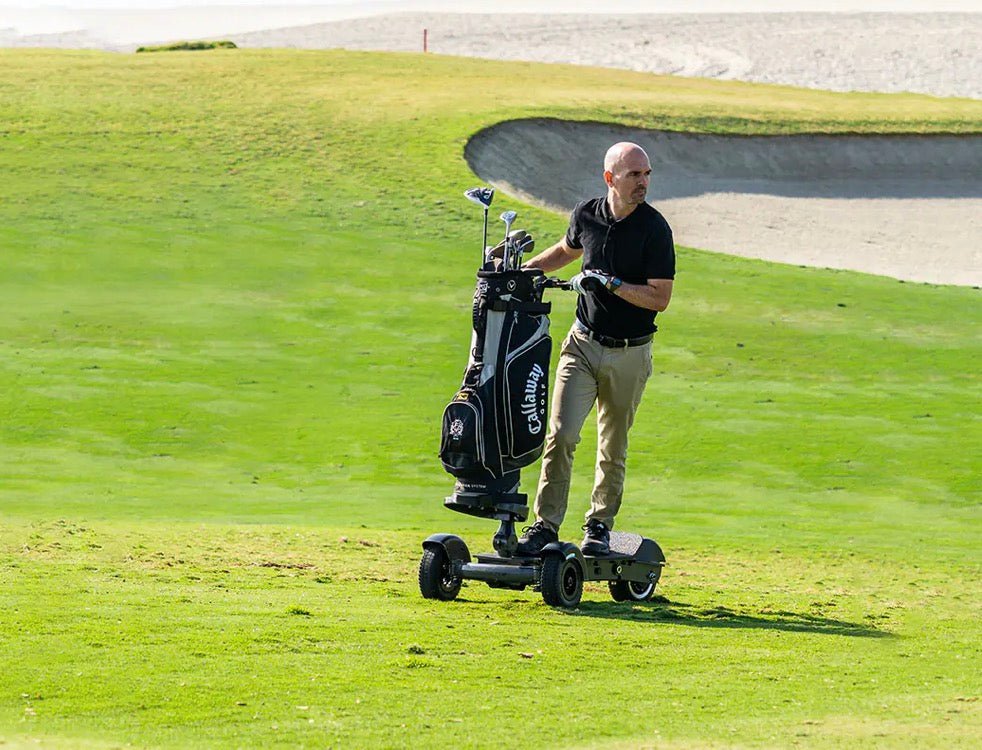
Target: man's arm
(655, 295)
(555, 257)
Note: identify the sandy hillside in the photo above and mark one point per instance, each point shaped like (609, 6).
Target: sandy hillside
(938, 53)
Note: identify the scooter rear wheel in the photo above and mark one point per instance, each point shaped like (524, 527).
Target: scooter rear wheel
(437, 579)
(562, 581)
(631, 591)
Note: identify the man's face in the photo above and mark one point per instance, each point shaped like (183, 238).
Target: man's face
(630, 177)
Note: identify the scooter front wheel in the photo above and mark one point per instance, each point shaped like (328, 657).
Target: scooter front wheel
(437, 579)
(562, 581)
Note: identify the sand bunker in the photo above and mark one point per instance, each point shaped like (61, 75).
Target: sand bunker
(909, 207)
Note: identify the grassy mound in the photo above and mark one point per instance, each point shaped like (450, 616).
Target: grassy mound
(184, 46)
(234, 300)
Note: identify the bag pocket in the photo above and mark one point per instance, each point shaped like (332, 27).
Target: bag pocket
(462, 438)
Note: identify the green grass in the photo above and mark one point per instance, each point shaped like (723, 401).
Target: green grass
(233, 301)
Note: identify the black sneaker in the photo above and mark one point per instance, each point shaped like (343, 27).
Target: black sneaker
(534, 538)
(597, 539)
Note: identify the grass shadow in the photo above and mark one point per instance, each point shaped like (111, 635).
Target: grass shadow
(661, 609)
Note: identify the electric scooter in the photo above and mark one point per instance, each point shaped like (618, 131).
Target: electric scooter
(495, 426)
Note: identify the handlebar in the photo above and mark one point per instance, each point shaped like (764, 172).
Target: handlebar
(554, 282)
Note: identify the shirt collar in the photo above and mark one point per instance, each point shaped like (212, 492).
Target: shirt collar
(608, 216)
(605, 213)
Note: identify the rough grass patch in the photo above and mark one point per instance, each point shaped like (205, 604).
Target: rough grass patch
(187, 46)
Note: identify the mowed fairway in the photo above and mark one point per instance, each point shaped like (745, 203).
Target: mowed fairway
(235, 295)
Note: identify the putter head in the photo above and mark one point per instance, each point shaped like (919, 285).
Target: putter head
(482, 196)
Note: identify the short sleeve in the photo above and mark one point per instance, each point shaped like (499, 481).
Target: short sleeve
(573, 233)
(660, 261)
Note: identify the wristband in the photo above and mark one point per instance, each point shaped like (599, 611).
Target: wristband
(615, 284)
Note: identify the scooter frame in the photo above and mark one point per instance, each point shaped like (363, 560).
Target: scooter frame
(632, 569)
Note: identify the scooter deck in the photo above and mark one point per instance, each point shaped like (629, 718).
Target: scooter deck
(492, 558)
(623, 546)
(632, 557)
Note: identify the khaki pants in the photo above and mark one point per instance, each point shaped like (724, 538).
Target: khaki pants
(613, 378)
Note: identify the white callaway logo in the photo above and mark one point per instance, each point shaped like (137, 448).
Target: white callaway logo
(529, 402)
(457, 429)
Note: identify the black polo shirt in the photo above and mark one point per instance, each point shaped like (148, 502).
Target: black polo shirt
(636, 248)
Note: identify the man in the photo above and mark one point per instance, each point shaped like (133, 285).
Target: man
(628, 271)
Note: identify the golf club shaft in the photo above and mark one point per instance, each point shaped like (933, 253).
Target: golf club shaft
(484, 244)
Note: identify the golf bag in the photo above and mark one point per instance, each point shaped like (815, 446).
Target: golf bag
(496, 423)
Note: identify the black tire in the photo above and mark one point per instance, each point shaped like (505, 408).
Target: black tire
(436, 577)
(562, 581)
(631, 591)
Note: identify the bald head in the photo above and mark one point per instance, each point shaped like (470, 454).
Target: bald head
(627, 172)
(619, 152)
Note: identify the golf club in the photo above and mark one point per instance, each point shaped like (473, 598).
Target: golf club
(525, 246)
(514, 239)
(482, 196)
(509, 218)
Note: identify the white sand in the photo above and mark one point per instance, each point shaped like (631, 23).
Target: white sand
(906, 207)
(935, 53)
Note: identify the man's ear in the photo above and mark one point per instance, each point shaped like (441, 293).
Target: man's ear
(609, 179)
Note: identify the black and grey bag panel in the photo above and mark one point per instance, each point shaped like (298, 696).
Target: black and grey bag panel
(496, 422)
